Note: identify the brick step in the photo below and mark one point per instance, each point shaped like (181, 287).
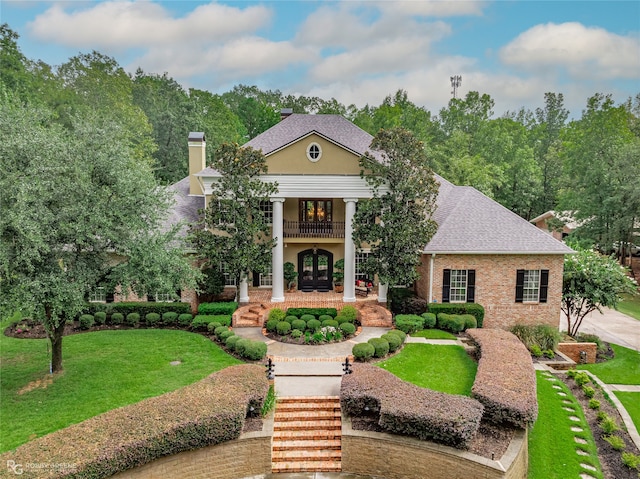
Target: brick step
(309, 399)
(303, 466)
(290, 407)
(296, 444)
(317, 415)
(313, 455)
(324, 424)
(257, 310)
(307, 434)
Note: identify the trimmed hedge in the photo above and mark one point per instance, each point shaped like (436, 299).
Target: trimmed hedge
(401, 334)
(144, 308)
(363, 351)
(299, 324)
(206, 413)
(185, 319)
(132, 319)
(506, 381)
(347, 328)
(255, 350)
(100, 317)
(271, 325)
(202, 321)
(283, 328)
(218, 308)
(276, 314)
(428, 320)
(403, 408)
(409, 323)
(459, 308)
(86, 321)
(117, 318)
(169, 319)
(151, 319)
(330, 323)
(350, 313)
(333, 312)
(394, 341)
(405, 301)
(231, 341)
(290, 318)
(313, 324)
(381, 347)
(451, 322)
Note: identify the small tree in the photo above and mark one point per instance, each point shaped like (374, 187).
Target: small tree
(591, 281)
(404, 194)
(234, 230)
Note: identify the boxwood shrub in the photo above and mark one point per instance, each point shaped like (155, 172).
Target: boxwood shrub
(347, 328)
(409, 323)
(313, 325)
(276, 314)
(429, 320)
(324, 317)
(283, 328)
(152, 319)
(290, 318)
(309, 317)
(330, 323)
(100, 317)
(211, 327)
(299, 324)
(143, 308)
(271, 325)
(350, 313)
(219, 330)
(241, 345)
(169, 319)
(381, 347)
(459, 308)
(224, 335)
(132, 319)
(185, 319)
(116, 318)
(314, 311)
(218, 308)
(401, 334)
(231, 341)
(451, 322)
(295, 333)
(86, 321)
(255, 350)
(363, 351)
(394, 341)
(201, 321)
(470, 321)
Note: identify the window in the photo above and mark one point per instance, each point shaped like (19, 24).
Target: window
(361, 259)
(266, 207)
(229, 278)
(532, 285)
(316, 211)
(164, 297)
(314, 153)
(458, 285)
(98, 295)
(266, 278)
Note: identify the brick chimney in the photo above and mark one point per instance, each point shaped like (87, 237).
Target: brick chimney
(285, 112)
(197, 160)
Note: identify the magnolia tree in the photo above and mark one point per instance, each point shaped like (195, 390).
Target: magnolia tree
(396, 222)
(234, 231)
(591, 281)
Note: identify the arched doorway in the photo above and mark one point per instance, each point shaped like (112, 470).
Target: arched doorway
(315, 270)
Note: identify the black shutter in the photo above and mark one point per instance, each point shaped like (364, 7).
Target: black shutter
(519, 286)
(151, 298)
(544, 285)
(109, 298)
(256, 279)
(446, 283)
(471, 286)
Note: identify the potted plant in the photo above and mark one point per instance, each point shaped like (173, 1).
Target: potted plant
(338, 276)
(290, 275)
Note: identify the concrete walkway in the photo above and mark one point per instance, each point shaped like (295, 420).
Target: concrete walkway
(612, 326)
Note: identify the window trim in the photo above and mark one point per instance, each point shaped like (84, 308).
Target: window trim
(470, 289)
(543, 286)
(317, 150)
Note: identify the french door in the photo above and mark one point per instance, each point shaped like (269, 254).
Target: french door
(315, 269)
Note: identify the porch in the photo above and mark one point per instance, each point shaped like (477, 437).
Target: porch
(300, 299)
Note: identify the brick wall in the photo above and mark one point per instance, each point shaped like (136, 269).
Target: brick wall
(399, 457)
(496, 284)
(245, 457)
(572, 350)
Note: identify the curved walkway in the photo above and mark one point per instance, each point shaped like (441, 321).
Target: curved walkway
(611, 326)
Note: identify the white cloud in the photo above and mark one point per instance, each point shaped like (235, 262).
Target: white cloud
(432, 8)
(129, 24)
(584, 52)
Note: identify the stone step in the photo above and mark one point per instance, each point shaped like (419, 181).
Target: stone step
(307, 455)
(311, 415)
(307, 434)
(306, 444)
(307, 466)
(325, 424)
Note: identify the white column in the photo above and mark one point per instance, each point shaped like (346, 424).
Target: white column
(349, 252)
(382, 292)
(277, 261)
(244, 289)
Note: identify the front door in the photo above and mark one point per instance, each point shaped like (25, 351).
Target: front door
(315, 268)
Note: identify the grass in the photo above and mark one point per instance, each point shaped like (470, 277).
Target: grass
(631, 402)
(624, 368)
(552, 448)
(433, 334)
(103, 370)
(630, 305)
(442, 368)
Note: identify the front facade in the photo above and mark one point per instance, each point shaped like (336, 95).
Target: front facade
(500, 260)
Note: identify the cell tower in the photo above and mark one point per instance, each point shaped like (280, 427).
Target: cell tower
(456, 81)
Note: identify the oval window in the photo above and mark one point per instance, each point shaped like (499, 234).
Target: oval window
(314, 152)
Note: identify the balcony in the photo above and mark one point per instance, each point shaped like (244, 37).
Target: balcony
(320, 229)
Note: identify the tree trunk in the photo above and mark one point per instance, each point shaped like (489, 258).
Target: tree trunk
(55, 337)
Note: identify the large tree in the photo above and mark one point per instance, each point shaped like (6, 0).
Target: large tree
(80, 210)
(396, 222)
(590, 282)
(234, 233)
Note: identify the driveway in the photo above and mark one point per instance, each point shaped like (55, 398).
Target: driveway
(611, 326)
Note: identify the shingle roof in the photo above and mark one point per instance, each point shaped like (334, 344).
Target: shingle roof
(185, 209)
(470, 222)
(333, 127)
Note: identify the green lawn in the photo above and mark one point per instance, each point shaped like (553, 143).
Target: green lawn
(630, 305)
(442, 368)
(102, 371)
(624, 368)
(433, 334)
(631, 402)
(552, 449)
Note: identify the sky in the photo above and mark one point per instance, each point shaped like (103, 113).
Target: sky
(357, 52)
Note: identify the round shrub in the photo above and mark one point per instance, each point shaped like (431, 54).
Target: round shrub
(381, 347)
(100, 317)
(300, 324)
(470, 321)
(429, 320)
(307, 317)
(222, 337)
(211, 327)
(363, 351)
(324, 317)
(283, 328)
(349, 312)
(152, 319)
(86, 321)
(170, 318)
(330, 323)
(409, 323)
(117, 318)
(401, 334)
(295, 333)
(219, 330)
(347, 328)
(290, 318)
(394, 341)
(313, 325)
(132, 319)
(241, 345)
(185, 319)
(271, 325)
(343, 319)
(231, 341)
(276, 314)
(254, 350)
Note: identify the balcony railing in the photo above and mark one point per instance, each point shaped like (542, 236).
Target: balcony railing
(321, 229)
